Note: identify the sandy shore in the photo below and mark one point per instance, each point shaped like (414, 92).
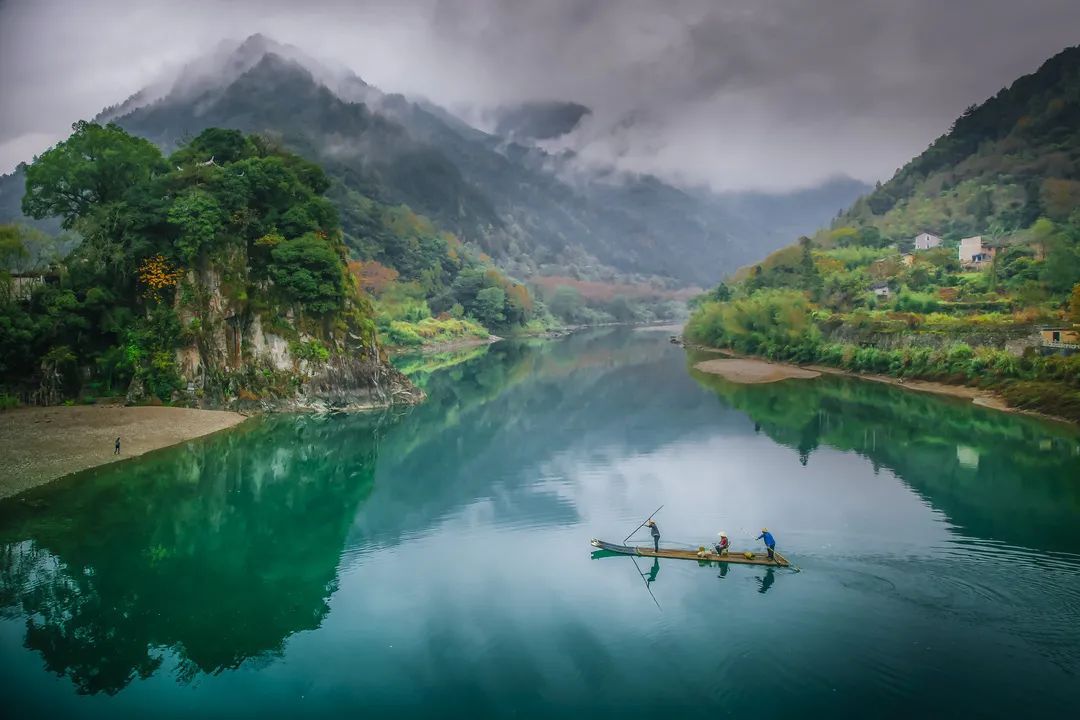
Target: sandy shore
(40, 444)
(750, 371)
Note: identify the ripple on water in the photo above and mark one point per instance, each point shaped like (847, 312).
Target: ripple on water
(1031, 596)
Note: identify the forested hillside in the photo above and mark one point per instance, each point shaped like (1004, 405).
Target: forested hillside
(214, 276)
(860, 295)
(532, 213)
(1003, 164)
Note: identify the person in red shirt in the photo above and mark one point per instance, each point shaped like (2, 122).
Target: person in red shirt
(722, 546)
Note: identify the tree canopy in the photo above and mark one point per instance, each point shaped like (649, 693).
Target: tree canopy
(227, 205)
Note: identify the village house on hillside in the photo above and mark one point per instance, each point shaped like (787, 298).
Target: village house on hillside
(881, 289)
(23, 284)
(1061, 338)
(926, 241)
(973, 252)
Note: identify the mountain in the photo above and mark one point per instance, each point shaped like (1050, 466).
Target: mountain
(1001, 191)
(533, 212)
(539, 120)
(1001, 165)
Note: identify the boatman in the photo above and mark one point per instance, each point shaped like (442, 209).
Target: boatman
(655, 535)
(770, 542)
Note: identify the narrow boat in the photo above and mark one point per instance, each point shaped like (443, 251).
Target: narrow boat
(733, 557)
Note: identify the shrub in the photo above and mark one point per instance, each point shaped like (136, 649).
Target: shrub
(162, 377)
(403, 333)
(310, 350)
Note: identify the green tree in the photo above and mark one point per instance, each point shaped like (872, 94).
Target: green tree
(810, 279)
(12, 250)
(94, 167)
(1062, 267)
(720, 293)
(199, 217)
(566, 303)
(309, 271)
(489, 306)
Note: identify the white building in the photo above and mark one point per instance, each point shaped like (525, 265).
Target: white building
(925, 241)
(972, 250)
(880, 289)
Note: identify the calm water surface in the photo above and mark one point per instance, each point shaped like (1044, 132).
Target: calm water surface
(435, 562)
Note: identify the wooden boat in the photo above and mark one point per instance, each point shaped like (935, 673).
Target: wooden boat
(733, 557)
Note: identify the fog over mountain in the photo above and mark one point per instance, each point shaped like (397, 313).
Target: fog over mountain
(773, 94)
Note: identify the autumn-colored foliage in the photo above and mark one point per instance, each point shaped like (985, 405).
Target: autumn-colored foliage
(372, 275)
(520, 296)
(156, 274)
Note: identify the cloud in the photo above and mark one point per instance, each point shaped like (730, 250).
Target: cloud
(765, 94)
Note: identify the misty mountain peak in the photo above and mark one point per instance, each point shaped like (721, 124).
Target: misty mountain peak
(539, 120)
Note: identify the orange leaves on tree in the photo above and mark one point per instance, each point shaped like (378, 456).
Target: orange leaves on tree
(519, 295)
(156, 274)
(373, 276)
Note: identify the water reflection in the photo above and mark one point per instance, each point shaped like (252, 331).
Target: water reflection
(207, 556)
(1000, 477)
(654, 571)
(764, 583)
(217, 551)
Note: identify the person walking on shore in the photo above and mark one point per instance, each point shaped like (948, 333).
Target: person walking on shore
(116, 448)
(655, 535)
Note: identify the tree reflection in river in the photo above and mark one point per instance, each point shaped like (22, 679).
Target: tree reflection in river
(218, 551)
(205, 556)
(965, 460)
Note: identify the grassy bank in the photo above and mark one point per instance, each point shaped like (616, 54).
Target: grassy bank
(1047, 385)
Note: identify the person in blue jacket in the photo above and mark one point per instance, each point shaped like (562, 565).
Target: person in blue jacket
(770, 541)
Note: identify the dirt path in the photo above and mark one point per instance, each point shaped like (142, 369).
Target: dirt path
(40, 444)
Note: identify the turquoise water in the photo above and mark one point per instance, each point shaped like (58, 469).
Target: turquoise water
(434, 562)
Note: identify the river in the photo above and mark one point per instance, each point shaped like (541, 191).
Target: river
(434, 561)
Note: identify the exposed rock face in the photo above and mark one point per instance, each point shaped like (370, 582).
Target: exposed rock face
(349, 383)
(245, 356)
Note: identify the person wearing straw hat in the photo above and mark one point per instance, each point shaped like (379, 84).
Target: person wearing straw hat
(655, 534)
(723, 544)
(770, 541)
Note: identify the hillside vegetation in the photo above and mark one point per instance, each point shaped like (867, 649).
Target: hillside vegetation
(858, 295)
(501, 195)
(214, 275)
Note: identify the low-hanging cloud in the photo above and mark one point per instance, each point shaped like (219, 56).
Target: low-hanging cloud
(735, 94)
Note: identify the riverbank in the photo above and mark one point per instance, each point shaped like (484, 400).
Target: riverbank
(779, 371)
(41, 444)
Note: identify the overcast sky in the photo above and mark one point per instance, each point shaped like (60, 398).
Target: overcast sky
(764, 94)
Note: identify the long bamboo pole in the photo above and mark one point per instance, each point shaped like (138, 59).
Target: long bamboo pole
(643, 524)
